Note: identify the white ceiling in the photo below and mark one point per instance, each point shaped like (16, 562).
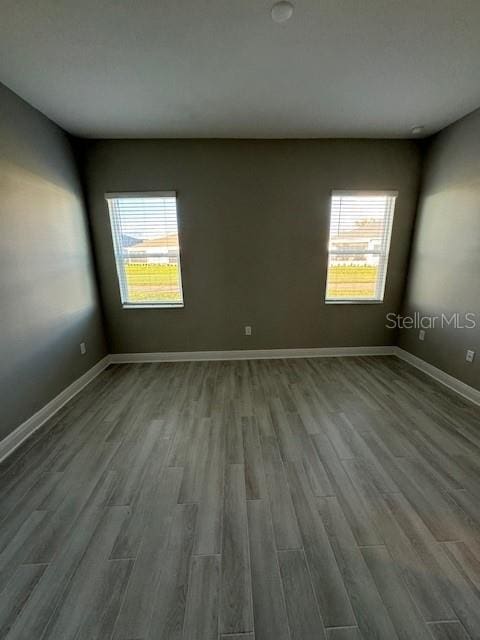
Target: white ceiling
(223, 68)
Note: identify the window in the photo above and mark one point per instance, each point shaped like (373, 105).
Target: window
(147, 252)
(360, 230)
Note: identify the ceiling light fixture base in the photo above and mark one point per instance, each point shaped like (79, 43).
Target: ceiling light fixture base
(282, 11)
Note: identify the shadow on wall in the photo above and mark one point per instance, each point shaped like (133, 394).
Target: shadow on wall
(47, 284)
(445, 259)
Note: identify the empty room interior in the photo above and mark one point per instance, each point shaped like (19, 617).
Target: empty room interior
(240, 320)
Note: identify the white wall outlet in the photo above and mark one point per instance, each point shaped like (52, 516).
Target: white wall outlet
(83, 348)
(248, 330)
(470, 355)
(421, 335)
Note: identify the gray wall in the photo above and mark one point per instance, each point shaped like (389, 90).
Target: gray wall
(444, 274)
(253, 221)
(48, 299)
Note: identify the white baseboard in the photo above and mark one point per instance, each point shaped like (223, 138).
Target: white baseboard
(27, 428)
(250, 354)
(465, 390)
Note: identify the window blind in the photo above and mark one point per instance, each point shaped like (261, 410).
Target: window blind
(359, 244)
(147, 251)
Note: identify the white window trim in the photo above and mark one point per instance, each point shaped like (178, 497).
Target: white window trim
(140, 194)
(385, 251)
(114, 195)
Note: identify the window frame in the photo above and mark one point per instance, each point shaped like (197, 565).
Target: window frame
(384, 251)
(117, 249)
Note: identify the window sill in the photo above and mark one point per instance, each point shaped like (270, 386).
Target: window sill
(353, 301)
(178, 305)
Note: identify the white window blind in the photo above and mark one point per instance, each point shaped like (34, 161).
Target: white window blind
(360, 230)
(147, 252)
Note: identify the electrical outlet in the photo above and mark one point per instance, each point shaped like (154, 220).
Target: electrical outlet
(421, 335)
(248, 330)
(83, 348)
(470, 355)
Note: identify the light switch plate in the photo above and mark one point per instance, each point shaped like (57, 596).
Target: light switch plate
(470, 355)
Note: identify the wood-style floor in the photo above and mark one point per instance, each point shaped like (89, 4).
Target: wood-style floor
(269, 500)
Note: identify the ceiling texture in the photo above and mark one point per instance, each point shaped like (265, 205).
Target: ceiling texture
(224, 69)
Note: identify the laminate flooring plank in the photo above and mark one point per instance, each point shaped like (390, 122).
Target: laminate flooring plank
(16, 552)
(421, 492)
(90, 429)
(448, 631)
(287, 443)
(303, 614)
(210, 507)
(91, 585)
(395, 596)
(270, 617)
(255, 483)
(343, 633)
(16, 593)
(304, 410)
(285, 526)
(168, 615)
(457, 589)
(56, 528)
(358, 513)
(442, 432)
(365, 486)
(29, 502)
(106, 601)
(343, 437)
(134, 616)
(325, 575)
(177, 456)
(84, 471)
(467, 513)
(441, 518)
(49, 593)
(443, 466)
(244, 395)
(470, 478)
(131, 461)
(40, 459)
(197, 461)
(370, 612)
(201, 617)
(132, 404)
(144, 503)
(465, 561)
(390, 429)
(236, 614)
(421, 579)
(349, 444)
(233, 433)
(314, 468)
(93, 491)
